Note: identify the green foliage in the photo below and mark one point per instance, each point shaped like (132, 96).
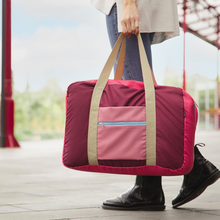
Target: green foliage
(172, 79)
(40, 114)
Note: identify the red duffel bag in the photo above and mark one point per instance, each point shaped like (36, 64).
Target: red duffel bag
(129, 127)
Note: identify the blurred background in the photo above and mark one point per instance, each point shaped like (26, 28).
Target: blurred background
(58, 42)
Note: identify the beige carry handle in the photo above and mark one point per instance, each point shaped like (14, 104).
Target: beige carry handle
(149, 100)
(121, 62)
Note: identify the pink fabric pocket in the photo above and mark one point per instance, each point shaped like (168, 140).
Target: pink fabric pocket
(122, 133)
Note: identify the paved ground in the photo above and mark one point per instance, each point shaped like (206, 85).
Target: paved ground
(35, 185)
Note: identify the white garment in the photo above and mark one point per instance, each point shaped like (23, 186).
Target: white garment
(159, 16)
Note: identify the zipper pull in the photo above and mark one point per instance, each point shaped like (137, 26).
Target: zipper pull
(196, 104)
(101, 124)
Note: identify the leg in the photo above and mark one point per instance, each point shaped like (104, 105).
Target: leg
(147, 193)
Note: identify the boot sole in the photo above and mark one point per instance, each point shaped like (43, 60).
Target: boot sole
(212, 179)
(135, 208)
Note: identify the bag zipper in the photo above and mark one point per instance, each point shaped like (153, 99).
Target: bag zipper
(196, 104)
(121, 123)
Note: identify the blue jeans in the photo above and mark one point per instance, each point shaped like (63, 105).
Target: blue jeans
(132, 67)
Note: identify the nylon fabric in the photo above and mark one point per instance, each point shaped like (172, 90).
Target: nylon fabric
(169, 106)
(111, 144)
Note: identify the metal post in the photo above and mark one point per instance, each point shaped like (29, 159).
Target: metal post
(184, 45)
(207, 115)
(216, 115)
(7, 103)
(3, 75)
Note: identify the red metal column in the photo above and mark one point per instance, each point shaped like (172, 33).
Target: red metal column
(217, 115)
(8, 139)
(184, 44)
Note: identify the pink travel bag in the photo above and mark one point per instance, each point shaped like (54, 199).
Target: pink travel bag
(129, 127)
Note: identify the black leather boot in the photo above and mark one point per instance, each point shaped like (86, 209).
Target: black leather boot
(147, 194)
(203, 174)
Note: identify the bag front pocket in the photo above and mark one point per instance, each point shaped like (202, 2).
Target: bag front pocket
(122, 133)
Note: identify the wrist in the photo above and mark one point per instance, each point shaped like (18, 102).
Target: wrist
(129, 2)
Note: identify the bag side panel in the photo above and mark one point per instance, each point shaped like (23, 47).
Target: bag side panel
(76, 130)
(170, 127)
(191, 116)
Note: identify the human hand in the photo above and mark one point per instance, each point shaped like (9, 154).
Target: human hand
(130, 17)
